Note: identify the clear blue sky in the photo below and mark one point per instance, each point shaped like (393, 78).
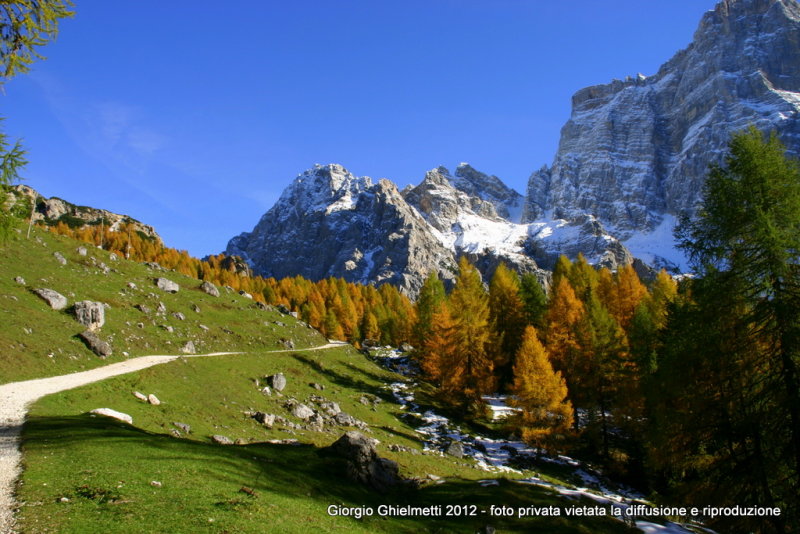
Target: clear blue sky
(193, 116)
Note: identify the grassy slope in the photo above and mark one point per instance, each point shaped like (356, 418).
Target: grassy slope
(27, 355)
(105, 468)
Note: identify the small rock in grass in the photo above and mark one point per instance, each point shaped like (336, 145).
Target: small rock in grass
(90, 314)
(221, 440)
(301, 411)
(152, 399)
(155, 483)
(19, 280)
(183, 426)
(131, 285)
(179, 316)
(81, 251)
(209, 288)
(195, 308)
(140, 396)
(203, 327)
(318, 387)
(56, 300)
(246, 295)
(108, 412)
(167, 285)
(59, 258)
(188, 348)
(168, 328)
(278, 381)
(161, 308)
(455, 449)
(95, 344)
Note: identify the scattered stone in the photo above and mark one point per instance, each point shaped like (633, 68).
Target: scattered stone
(175, 433)
(221, 440)
(266, 419)
(195, 308)
(363, 463)
(283, 309)
(279, 323)
(209, 288)
(277, 381)
(240, 441)
(161, 308)
(81, 251)
(179, 316)
(405, 347)
(318, 387)
(56, 300)
(294, 314)
(434, 478)
(140, 325)
(184, 427)
(455, 449)
(113, 257)
(63, 499)
(245, 294)
(301, 411)
(266, 390)
(260, 305)
(152, 399)
(153, 266)
(345, 419)
(316, 423)
(90, 314)
(19, 280)
(394, 447)
(155, 483)
(203, 327)
(168, 328)
(95, 344)
(167, 285)
(142, 308)
(140, 396)
(188, 348)
(131, 285)
(59, 258)
(108, 412)
(330, 408)
(288, 343)
(103, 267)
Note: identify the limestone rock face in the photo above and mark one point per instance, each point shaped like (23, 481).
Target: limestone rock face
(332, 223)
(52, 210)
(56, 300)
(90, 314)
(635, 152)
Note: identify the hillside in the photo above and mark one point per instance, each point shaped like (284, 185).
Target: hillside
(89, 473)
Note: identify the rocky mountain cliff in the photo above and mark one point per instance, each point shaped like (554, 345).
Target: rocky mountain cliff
(53, 210)
(329, 222)
(635, 152)
(632, 158)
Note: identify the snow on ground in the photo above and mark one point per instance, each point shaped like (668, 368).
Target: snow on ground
(495, 455)
(497, 403)
(659, 244)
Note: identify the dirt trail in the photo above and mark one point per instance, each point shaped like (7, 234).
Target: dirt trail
(15, 397)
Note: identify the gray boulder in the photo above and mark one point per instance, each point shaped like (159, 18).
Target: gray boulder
(108, 412)
(209, 288)
(167, 285)
(81, 251)
(19, 280)
(363, 463)
(184, 427)
(188, 348)
(56, 300)
(277, 381)
(266, 419)
(95, 344)
(455, 449)
(301, 411)
(221, 440)
(60, 258)
(90, 314)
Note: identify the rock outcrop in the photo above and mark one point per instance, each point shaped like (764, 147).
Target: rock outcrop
(51, 211)
(363, 463)
(635, 152)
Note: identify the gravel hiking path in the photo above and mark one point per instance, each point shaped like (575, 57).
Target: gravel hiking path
(15, 397)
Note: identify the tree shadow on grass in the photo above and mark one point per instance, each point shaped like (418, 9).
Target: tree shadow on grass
(304, 473)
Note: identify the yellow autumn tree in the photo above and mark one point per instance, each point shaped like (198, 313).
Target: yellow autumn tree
(469, 308)
(541, 393)
(438, 356)
(507, 320)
